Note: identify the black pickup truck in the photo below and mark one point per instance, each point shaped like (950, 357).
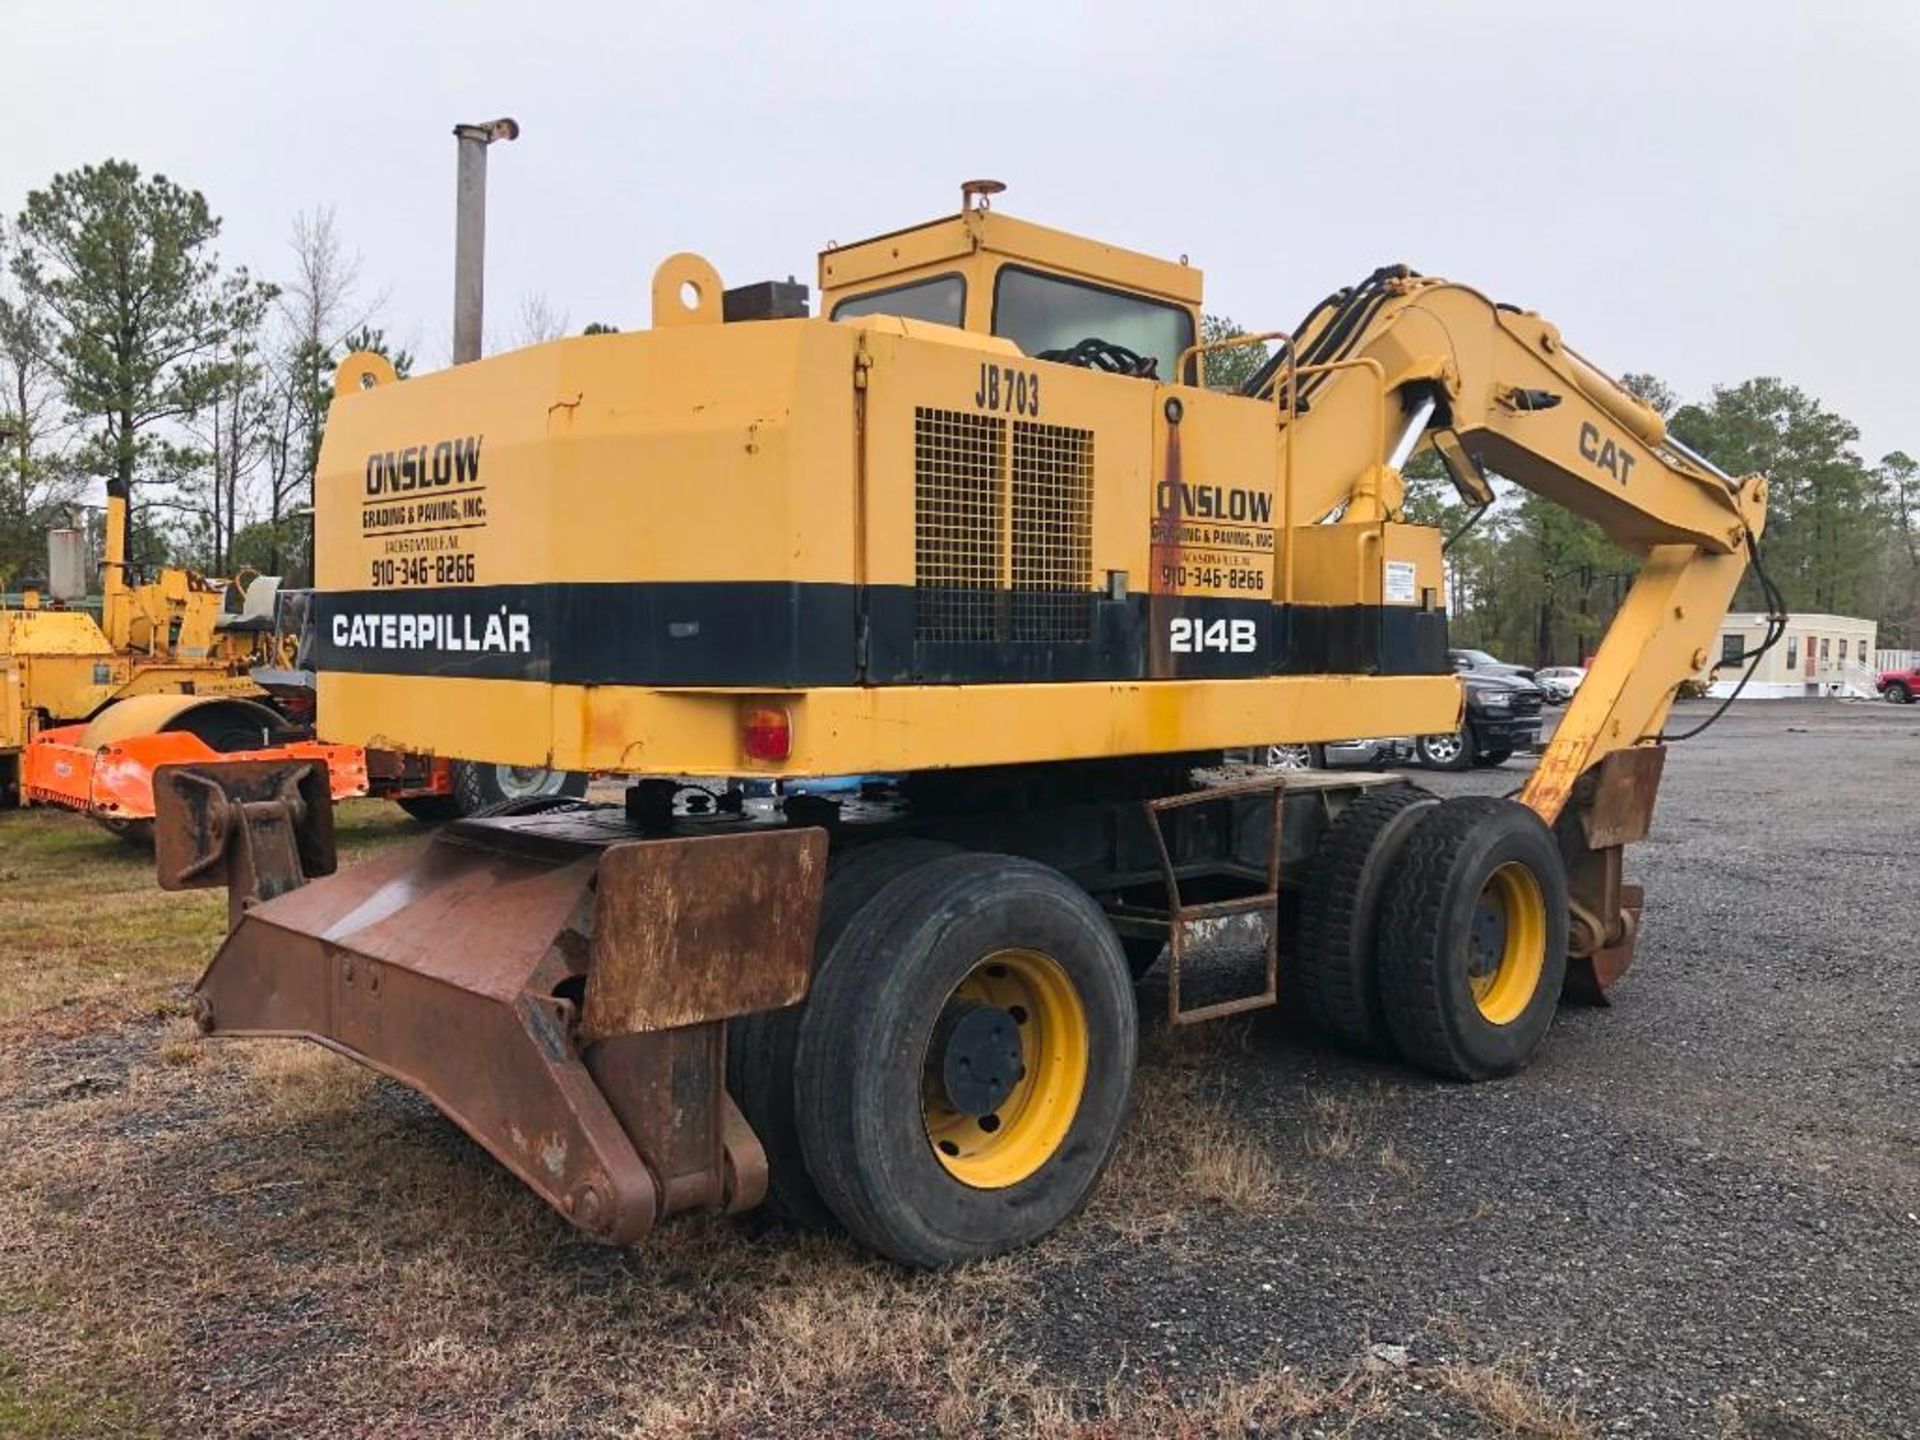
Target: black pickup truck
(1503, 715)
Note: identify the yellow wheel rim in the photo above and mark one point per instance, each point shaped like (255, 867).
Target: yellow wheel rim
(1023, 1131)
(1507, 953)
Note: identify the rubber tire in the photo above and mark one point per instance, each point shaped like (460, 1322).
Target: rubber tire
(1898, 694)
(223, 729)
(761, 1047)
(1462, 761)
(476, 788)
(430, 809)
(1332, 965)
(1491, 758)
(1427, 906)
(528, 805)
(874, 1004)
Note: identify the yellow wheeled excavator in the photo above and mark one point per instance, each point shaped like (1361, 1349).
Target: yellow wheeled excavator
(980, 526)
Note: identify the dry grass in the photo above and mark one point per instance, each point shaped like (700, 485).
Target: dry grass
(1336, 1128)
(262, 1238)
(88, 937)
(56, 1409)
(273, 1240)
(1389, 1161)
(1738, 1417)
(1274, 1400)
(1184, 1147)
(1510, 1404)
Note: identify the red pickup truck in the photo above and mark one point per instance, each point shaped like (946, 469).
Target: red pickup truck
(1899, 686)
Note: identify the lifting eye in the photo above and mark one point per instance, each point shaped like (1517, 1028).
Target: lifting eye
(686, 291)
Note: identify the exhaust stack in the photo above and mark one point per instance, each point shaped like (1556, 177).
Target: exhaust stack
(470, 232)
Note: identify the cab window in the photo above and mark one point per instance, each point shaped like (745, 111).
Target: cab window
(1043, 313)
(942, 300)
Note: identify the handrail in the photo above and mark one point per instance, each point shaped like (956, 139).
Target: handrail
(1200, 348)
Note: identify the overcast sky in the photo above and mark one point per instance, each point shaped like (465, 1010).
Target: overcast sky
(1705, 191)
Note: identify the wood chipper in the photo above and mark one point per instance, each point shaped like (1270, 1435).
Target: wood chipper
(980, 525)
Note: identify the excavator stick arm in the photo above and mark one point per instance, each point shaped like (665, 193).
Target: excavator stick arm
(1491, 387)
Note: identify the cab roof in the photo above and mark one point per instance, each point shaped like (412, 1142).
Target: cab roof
(979, 231)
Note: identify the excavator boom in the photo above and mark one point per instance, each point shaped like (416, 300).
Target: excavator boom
(1494, 388)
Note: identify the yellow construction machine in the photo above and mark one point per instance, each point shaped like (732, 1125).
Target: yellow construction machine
(164, 658)
(980, 526)
(90, 708)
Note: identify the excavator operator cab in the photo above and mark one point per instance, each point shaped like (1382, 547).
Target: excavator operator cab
(1055, 295)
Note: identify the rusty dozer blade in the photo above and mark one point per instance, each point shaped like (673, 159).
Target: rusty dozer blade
(554, 986)
(1611, 807)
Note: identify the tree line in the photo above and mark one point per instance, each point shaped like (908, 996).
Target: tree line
(1534, 583)
(129, 353)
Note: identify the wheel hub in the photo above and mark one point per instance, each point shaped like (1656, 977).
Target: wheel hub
(519, 782)
(1486, 944)
(1018, 1024)
(1506, 943)
(977, 1050)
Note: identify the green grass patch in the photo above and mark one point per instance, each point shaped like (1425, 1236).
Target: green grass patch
(56, 1409)
(87, 928)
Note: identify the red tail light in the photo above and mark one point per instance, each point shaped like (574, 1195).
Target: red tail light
(767, 733)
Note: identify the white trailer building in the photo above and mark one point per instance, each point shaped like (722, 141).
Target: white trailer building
(1820, 655)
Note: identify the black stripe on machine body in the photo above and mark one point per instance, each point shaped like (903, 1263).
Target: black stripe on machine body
(790, 635)
(776, 634)
(1363, 640)
(1127, 640)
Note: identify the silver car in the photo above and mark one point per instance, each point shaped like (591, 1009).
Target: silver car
(1390, 750)
(1559, 682)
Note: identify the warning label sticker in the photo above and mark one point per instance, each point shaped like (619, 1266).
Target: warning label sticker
(1399, 584)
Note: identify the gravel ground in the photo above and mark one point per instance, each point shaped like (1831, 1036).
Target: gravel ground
(1698, 1212)
(1695, 1214)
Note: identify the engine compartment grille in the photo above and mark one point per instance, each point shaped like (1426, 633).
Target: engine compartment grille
(959, 523)
(1003, 533)
(1052, 567)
